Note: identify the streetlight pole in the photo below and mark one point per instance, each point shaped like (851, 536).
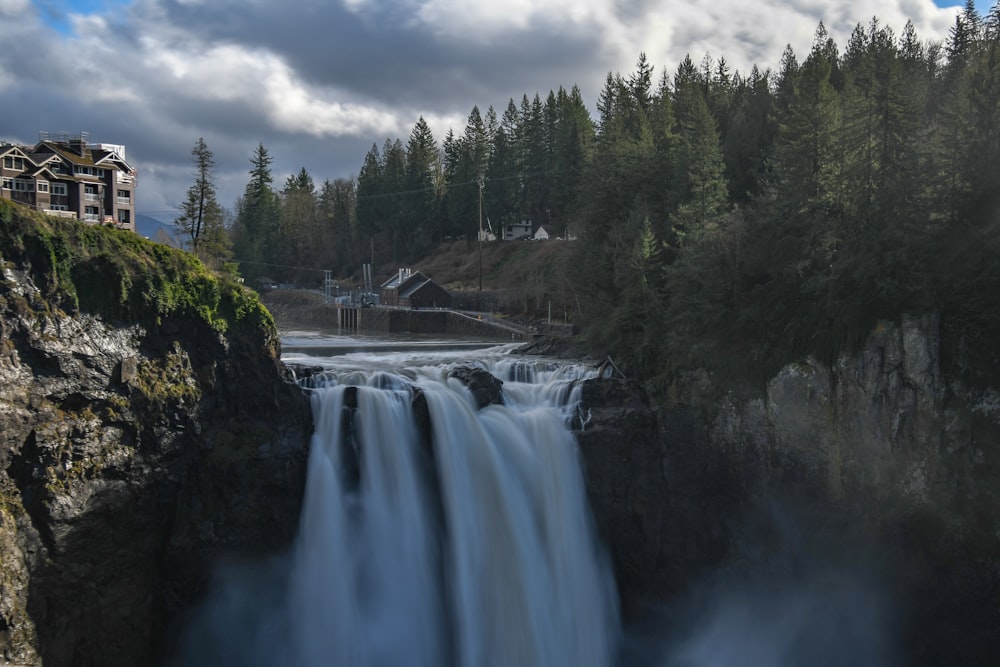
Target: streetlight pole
(480, 234)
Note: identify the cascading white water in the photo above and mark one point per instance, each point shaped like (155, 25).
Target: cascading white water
(477, 550)
(465, 541)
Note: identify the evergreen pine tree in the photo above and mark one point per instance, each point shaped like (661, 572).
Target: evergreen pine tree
(201, 211)
(257, 217)
(423, 168)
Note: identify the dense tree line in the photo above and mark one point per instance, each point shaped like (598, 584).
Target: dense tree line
(767, 214)
(738, 222)
(527, 163)
(294, 233)
(852, 186)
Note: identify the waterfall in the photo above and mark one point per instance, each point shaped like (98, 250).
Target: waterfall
(474, 548)
(433, 532)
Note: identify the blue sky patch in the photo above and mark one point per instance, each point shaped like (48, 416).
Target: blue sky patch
(55, 13)
(983, 6)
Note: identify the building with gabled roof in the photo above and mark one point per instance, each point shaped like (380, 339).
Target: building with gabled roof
(69, 177)
(412, 289)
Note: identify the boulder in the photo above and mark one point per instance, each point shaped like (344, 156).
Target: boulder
(486, 388)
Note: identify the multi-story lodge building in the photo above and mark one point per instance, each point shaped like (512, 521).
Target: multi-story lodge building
(66, 176)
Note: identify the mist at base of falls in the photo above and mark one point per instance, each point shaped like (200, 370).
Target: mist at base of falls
(477, 548)
(820, 616)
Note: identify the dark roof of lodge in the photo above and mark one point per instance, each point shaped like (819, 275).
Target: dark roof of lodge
(34, 171)
(91, 157)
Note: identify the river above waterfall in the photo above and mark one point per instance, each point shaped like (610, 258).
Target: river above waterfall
(318, 346)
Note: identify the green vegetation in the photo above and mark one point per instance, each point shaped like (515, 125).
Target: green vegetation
(122, 277)
(168, 381)
(202, 219)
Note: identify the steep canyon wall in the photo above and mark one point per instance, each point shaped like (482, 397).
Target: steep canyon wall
(878, 464)
(134, 452)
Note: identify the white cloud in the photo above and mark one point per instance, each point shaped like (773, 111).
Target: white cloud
(261, 79)
(294, 107)
(15, 8)
(225, 72)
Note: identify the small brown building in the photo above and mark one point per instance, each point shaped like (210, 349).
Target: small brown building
(412, 289)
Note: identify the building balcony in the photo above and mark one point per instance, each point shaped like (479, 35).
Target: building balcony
(90, 196)
(124, 201)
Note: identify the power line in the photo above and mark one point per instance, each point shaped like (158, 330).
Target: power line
(541, 172)
(276, 266)
(154, 213)
(401, 192)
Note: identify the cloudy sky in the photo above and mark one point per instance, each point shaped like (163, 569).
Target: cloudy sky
(320, 81)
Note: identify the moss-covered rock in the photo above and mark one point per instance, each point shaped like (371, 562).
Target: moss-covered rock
(141, 399)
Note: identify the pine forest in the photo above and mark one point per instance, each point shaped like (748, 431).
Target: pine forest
(723, 219)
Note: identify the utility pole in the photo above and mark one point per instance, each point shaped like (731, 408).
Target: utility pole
(480, 234)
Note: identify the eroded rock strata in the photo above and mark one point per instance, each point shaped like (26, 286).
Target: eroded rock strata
(878, 465)
(133, 456)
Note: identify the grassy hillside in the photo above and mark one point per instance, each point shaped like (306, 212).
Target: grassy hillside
(505, 264)
(518, 277)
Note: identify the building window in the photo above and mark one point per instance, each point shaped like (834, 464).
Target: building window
(8, 184)
(90, 193)
(21, 185)
(58, 207)
(60, 189)
(42, 186)
(123, 216)
(90, 213)
(8, 162)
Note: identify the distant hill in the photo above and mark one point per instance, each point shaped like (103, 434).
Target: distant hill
(150, 228)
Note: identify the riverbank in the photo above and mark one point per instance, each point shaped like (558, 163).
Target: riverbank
(304, 308)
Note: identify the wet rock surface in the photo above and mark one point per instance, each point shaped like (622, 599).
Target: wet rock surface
(486, 388)
(131, 459)
(877, 466)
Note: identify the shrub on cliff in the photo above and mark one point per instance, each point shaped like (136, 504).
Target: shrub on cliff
(122, 277)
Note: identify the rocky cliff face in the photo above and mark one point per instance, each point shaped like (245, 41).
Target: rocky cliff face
(132, 457)
(877, 463)
(135, 454)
